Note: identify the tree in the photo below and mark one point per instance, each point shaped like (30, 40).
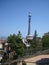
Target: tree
(16, 43)
(35, 39)
(45, 42)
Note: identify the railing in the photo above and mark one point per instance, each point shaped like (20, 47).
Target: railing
(9, 62)
(27, 63)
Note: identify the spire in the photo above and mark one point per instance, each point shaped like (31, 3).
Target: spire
(29, 36)
(29, 23)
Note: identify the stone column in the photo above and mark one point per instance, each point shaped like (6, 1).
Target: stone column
(29, 24)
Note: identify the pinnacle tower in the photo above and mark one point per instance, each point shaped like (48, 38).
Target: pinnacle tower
(29, 23)
(29, 36)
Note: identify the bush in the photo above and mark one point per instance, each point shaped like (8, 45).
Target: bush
(23, 63)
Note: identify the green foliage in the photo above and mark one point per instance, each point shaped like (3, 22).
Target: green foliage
(16, 43)
(45, 41)
(34, 41)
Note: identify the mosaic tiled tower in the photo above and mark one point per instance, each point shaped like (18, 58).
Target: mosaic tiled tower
(29, 36)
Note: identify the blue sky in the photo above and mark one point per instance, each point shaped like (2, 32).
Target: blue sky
(14, 16)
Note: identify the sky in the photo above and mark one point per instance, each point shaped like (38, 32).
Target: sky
(14, 16)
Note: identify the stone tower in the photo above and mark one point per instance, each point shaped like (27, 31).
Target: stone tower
(29, 36)
(29, 24)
